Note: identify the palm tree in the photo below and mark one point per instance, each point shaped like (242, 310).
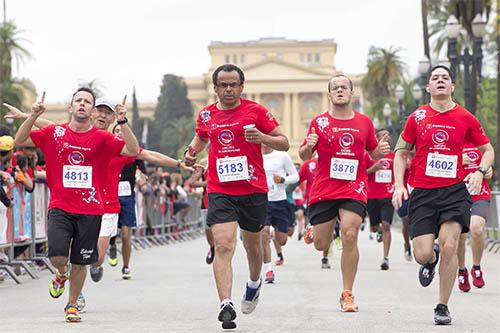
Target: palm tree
(95, 85)
(385, 70)
(10, 48)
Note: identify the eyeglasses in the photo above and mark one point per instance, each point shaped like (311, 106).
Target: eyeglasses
(231, 85)
(344, 88)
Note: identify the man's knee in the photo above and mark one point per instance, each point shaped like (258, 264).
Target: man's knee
(386, 227)
(423, 256)
(477, 230)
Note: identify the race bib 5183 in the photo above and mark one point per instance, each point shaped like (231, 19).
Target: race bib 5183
(231, 169)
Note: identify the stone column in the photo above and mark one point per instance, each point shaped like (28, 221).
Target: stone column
(325, 102)
(287, 115)
(296, 118)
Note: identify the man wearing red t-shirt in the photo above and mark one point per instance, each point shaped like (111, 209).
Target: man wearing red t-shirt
(380, 188)
(237, 187)
(76, 155)
(479, 213)
(439, 205)
(340, 136)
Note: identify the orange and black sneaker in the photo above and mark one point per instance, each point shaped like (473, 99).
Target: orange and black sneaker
(309, 235)
(72, 315)
(347, 302)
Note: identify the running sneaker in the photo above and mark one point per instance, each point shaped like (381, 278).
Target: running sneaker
(442, 315)
(379, 237)
(299, 235)
(250, 299)
(210, 255)
(96, 273)
(477, 278)
(309, 235)
(56, 285)
(72, 315)
(80, 303)
(126, 273)
(347, 302)
(269, 277)
(227, 315)
(324, 263)
(463, 280)
(338, 242)
(408, 255)
(385, 264)
(426, 272)
(280, 261)
(113, 259)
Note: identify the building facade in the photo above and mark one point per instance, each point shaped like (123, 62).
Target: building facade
(288, 77)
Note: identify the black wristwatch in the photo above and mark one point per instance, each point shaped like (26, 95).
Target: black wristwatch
(482, 170)
(123, 121)
(179, 162)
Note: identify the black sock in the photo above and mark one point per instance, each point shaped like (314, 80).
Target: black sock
(280, 255)
(462, 270)
(476, 267)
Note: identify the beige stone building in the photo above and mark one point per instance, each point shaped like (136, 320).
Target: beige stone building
(288, 77)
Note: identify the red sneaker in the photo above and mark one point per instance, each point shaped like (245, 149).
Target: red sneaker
(279, 262)
(309, 235)
(477, 278)
(463, 281)
(269, 277)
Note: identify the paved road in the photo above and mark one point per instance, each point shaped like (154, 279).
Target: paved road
(172, 290)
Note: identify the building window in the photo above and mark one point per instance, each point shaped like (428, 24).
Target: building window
(310, 104)
(242, 59)
(235, 59)
(227, 59)
(316, 58)
(309, 58)
(264, 55)
(302, 59)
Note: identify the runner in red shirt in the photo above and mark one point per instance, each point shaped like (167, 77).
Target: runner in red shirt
(479, 213)
(340, 137)
(76, 155)
(380, 188)
(439, 205)
(237, 187)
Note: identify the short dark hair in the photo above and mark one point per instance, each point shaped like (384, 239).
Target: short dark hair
(85, 89)
(228, 68)
(339, 75)
(443, 67)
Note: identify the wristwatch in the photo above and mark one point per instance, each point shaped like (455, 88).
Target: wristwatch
(179, 163)
(482, 170)
(123, 121)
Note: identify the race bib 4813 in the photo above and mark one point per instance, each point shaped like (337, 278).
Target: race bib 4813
(77, 176)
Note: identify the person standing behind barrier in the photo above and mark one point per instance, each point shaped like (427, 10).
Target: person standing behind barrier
(280, 172)
(77, 155)
(439, 204)
(340, 136)
(479, 213)
(235, 128)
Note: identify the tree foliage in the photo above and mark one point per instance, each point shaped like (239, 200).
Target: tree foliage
(173, 119)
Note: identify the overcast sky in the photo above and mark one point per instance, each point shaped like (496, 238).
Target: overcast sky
(125, 43)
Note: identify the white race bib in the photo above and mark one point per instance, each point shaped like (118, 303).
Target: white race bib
(297, 195)
(124, 189)
(383, 176)
(439, 165)
(231, 169)
(77, 176)
(343, 168)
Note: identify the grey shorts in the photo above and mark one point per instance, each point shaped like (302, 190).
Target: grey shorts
(480, 208)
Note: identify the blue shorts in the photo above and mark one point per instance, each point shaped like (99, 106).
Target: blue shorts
(127, 212)
(278, 215)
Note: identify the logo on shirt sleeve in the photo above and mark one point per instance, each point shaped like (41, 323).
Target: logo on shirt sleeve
(205, 116)
(59, 131)
(322, 123)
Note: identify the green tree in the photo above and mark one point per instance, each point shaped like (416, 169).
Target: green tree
(10, 48)
(172, 106)
(95, 85)
(385, 70)
(177, 135)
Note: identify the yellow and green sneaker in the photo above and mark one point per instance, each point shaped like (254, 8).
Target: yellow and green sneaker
(56, 285)
(72, 315)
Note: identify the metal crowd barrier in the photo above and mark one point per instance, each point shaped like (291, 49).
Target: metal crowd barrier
(156, 224)
(24, 225)
(492, 225)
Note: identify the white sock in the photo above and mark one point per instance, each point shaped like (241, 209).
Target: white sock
(268, 267)
(225, 301)
(253, 284)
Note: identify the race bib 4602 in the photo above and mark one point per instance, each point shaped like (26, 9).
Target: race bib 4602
(439, 165)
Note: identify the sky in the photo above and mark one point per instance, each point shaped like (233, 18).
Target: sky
(126, 43)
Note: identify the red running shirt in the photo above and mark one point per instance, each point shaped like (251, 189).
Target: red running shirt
(306, 173)
(235, 166)
(475, 156)
(76, 165)
(439, 139)
(341, 171)
(112, 187)
(381, 182)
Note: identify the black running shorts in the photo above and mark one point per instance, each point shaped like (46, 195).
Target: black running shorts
(380, 210)
(248, 210)
(429, 208)
(78, 231)
(324, 211)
